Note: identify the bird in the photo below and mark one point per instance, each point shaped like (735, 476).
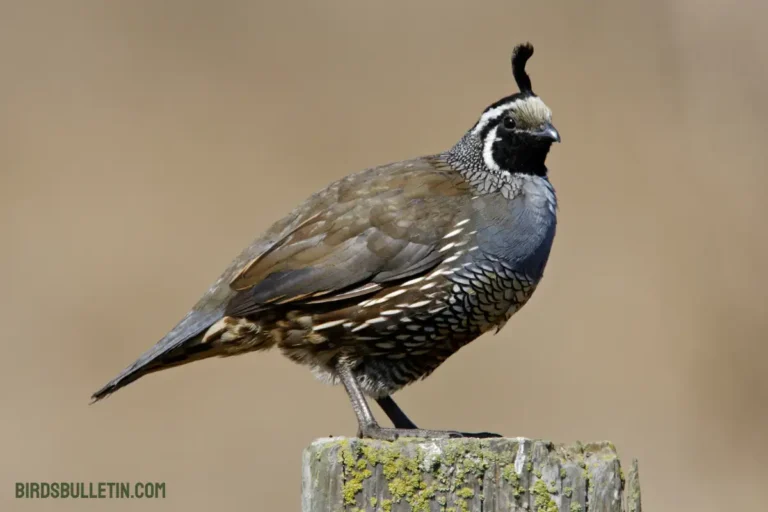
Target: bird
(376, 280)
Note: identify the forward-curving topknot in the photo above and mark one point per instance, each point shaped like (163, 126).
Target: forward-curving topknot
(520, 56)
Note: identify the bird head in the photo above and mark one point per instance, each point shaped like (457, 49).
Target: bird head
(516, 132)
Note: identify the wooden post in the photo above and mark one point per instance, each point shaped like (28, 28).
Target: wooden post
(465, 475)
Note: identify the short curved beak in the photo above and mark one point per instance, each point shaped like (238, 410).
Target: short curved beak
(548, 133)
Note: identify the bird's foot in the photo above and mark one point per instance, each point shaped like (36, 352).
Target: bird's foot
(392, 434)
(480, 435)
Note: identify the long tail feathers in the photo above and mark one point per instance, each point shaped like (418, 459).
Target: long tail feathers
(192, 350)
(183, 344)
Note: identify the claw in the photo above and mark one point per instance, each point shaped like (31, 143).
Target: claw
(392, 434)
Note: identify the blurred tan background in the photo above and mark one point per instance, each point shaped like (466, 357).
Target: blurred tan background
(143, 144)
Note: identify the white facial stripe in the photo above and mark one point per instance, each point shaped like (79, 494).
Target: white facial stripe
(488, 150)
(530, 110)
(492, 114)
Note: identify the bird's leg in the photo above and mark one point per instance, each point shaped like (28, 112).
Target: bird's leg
(404, 427)
(401, 421)
(395, 413)
(367, 426)
(363, 413)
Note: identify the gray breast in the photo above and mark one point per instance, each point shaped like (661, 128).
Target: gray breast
(519, 229)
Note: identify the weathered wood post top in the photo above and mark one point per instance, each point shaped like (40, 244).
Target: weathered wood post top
(466, 475)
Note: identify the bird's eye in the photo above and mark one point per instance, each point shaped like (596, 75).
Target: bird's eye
(508, 122)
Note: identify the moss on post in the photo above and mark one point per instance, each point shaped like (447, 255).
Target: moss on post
(465, 475)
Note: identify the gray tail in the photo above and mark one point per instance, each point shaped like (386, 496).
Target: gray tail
(180, 346)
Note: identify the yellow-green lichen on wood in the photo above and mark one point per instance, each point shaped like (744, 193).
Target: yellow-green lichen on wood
(465, 475)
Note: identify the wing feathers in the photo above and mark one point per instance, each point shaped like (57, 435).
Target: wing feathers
(365, 231)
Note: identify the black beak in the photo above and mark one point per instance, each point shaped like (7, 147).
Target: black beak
(548, 133)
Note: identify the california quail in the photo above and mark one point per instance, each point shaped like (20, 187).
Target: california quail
(379, 278)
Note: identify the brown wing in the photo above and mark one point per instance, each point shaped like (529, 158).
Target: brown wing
(349, 240)
(361, 233)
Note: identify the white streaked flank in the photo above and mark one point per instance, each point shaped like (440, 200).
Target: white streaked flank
(434, 274)
(328, 325)
(381, 300)
(378, 301)
(413, 281)
(453, 258)
(393, 294)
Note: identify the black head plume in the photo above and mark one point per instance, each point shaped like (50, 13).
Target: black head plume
(520, 56)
